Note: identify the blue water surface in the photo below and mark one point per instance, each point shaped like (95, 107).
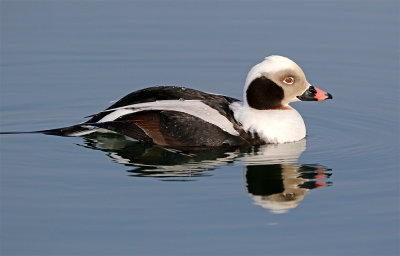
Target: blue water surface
(334, 193)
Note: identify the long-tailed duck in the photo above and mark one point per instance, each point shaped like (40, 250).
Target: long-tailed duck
(182, 117)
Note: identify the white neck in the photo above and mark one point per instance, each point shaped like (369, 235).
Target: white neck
(273, 126)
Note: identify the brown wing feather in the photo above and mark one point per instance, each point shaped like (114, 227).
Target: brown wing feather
(149, 122)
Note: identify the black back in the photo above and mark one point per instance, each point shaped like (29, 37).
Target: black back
(218, 102)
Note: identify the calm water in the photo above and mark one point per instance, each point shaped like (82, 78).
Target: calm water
(335, 193)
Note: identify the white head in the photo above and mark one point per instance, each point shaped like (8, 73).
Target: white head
(275, 82)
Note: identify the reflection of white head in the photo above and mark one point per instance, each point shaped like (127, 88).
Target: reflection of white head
(285, 156)
(277, 207)
(289, 194)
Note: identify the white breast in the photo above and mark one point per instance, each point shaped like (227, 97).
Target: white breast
(273, 126)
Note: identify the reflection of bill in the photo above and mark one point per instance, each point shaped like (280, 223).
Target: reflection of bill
(273, 176)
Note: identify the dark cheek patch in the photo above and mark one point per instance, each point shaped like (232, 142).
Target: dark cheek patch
(263, 93)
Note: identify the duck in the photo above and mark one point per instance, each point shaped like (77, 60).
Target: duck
(180, 117)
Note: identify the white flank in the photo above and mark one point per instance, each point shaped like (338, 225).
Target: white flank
(192, 107)
(273, 126)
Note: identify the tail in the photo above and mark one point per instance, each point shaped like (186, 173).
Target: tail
(74, 130)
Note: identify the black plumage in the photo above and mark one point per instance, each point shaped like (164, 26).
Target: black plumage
(165, 127)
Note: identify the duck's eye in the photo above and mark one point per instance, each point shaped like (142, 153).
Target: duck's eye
(288, 80)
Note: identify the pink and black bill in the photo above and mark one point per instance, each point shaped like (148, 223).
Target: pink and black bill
(314, 94)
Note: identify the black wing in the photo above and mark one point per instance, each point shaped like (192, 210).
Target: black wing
(218, 102)
(165, 127)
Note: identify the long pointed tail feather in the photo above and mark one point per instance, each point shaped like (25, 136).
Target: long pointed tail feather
(74, 130)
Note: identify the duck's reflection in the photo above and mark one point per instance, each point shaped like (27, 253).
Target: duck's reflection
(280, 187)
(273, 177)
